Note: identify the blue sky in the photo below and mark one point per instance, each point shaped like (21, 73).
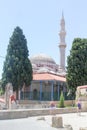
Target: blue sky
(40, 22)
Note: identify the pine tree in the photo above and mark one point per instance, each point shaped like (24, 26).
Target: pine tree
(17, 68)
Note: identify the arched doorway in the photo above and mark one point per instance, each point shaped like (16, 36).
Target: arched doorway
(35, 94)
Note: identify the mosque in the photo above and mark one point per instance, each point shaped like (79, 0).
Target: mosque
(48, 77)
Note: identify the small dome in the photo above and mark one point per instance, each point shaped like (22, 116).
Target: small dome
(42, 58)
(34, 66)
(43, 70)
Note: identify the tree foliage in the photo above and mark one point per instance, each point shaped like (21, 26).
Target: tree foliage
(77, 65)
(17, 68)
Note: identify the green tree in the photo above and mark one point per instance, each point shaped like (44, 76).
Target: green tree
(77, 65)
(17, 68)
(61, 102)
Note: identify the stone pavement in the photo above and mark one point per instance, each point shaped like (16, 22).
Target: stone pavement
(32, 123)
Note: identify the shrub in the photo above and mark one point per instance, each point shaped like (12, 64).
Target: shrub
(61, 102)
(1, 91)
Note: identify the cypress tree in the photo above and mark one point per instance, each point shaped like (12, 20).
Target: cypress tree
(17, 68)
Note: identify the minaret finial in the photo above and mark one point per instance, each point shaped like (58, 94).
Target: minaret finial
(62, 15)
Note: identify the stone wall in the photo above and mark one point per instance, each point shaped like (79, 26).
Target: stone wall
(41, 104)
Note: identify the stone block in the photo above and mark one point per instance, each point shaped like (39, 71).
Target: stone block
(68, 127)
(83, 128)
(57, 122)
(41, 118)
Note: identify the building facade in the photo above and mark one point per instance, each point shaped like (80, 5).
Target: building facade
(48, 77)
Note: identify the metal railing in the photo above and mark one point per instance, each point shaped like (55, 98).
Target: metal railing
(45, 96)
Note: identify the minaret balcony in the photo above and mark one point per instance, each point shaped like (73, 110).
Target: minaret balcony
(62, 45)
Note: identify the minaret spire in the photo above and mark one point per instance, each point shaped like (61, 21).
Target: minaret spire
(62, 44)
(62, 15)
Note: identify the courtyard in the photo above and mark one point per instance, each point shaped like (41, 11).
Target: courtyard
(32, 123)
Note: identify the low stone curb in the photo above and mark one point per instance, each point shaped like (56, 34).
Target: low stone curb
(24, 113)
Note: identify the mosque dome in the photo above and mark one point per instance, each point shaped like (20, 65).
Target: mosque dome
(43, 63)
(42, 58)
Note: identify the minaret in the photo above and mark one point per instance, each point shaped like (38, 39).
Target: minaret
(62, 44)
